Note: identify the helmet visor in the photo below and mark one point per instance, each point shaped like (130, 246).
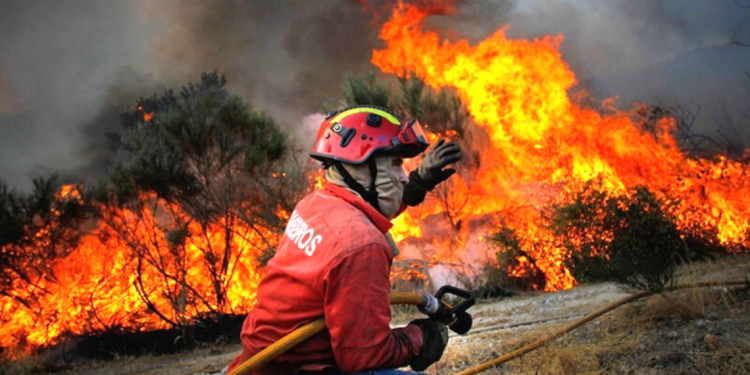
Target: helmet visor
(412, 139)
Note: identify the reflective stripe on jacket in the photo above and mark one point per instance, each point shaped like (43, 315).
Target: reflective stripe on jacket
(333, 261)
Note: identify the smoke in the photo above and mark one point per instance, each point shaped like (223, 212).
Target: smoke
(287, 57)
(657, 52)
(72, 67)
(68, 68)
(9, 103)
(58, 59)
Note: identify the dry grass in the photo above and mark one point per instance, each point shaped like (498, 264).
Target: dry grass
(19, 367)
(723, 361)
(696, 331)
(569, 355)
(467, 352)
(403, 314)
(199, 361)
(685, 304)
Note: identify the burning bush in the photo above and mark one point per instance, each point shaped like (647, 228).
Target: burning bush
(208, 172)
(202, 189)
(627, 238)
(36, 229)
(513, 268)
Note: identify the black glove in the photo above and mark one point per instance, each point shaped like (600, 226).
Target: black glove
(431, 172)
(435, 340)
(413, 195)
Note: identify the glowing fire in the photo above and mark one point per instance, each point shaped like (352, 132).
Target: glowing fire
(320, 180)
(545, 145)
(68, 191)
(147, 116)
(102, 283)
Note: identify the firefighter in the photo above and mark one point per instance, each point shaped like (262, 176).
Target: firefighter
(335, 256)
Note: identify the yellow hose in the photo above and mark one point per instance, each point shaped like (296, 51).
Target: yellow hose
(305, 332)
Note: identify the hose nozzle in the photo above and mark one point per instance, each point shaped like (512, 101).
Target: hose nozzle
(456, 318)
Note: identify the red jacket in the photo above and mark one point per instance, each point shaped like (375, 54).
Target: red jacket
(333, 262)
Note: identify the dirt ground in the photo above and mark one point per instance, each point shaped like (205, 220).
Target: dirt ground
(697, 331)
(686, 332)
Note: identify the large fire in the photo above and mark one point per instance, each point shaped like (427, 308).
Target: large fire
(126, 273)
(544, 145)
(129, 271)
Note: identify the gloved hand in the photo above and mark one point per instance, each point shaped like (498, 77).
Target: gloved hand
(431, 172)
(435, 340)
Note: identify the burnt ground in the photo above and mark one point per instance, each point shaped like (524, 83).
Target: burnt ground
(704, 331)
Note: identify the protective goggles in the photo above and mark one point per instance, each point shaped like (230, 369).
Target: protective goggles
(411, 139)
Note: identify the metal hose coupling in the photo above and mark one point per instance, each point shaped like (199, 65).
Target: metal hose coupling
(456, 318)
(430, 305)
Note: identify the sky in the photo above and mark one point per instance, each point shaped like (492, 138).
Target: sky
(68, 68)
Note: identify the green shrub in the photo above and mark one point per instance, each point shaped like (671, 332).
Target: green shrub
(511, 270)
(625, 238)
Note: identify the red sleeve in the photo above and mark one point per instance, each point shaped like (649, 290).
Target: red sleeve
(358, 313)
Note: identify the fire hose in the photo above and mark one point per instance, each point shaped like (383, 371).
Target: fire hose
(455, 317)
(423, 301)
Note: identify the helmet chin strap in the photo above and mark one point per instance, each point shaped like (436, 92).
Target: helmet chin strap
(370, 196)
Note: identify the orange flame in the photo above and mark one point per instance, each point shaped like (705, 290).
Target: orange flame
(320, 180)
(543, 144)
(95, 286)
(69, 191)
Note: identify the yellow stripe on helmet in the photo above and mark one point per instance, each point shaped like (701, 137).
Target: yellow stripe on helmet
(379, 112)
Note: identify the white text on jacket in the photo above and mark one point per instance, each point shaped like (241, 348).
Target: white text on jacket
(302, 235)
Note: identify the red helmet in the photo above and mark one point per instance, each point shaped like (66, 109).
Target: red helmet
(353, 134)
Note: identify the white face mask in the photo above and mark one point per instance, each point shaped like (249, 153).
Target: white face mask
(389, 181)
